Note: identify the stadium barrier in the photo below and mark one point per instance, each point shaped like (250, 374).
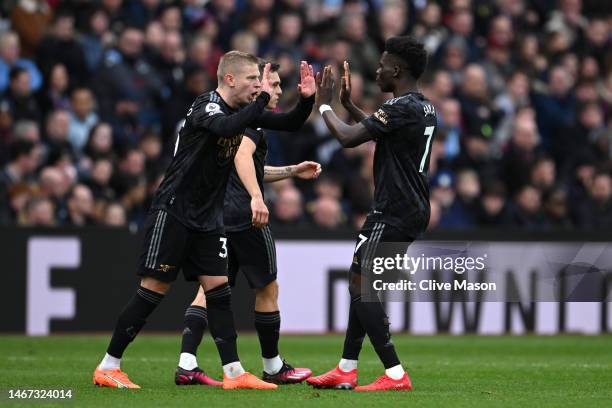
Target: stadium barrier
(78, 280)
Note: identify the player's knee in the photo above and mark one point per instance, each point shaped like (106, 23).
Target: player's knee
(155, 285)
(268, 293)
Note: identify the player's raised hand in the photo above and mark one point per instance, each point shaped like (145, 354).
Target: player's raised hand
(345, 85)
(308, 170)
(266, 84)
(260, 212)
(325, 86)
(307, 86)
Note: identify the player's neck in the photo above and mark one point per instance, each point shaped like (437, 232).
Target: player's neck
(226, 96)
(405, 87)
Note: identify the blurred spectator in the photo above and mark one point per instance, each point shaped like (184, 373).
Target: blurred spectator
(494, 209)
(596, 212)
(30, 19)
(80, 206)
(480, 117)
(27, 130)
(327, 213)
(543, 174)
(100, 142)
(114, 215)
(10, 58)
(96, 38)
(19, 97)
(288, 207)
(521, 153)
(57, 128)
(54, 92)
(39, 213)
(555, 105)
(60, 45)
(82, 117)
(54, 186)
(579, 135)
(24, 157)
(556, 209)
(128, 88)
(527, 209)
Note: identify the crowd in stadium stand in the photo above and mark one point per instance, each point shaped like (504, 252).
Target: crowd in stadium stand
(92, 94)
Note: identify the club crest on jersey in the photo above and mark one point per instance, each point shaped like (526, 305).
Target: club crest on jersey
(429, 110)
(381, 115)
(212, 108)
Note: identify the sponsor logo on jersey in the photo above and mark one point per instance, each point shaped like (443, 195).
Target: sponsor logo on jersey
(212, 108)
(381, 115)
(429, 110)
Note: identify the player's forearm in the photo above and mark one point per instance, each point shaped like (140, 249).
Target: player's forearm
(347, 135)
(356, 114)
(272, 174)
(231, 125)
(245, 167)
(289, 121)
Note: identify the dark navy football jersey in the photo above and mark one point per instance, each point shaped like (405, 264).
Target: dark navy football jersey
(194, 184)
(237, 214)
(403, 128)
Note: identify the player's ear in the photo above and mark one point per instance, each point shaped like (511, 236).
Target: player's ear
(229, 80)
(396, 71)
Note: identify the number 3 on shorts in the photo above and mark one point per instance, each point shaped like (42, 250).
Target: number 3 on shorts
(223, 253)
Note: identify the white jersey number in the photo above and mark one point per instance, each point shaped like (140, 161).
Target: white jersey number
(429, 131)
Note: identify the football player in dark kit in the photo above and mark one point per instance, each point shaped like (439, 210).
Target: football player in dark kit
(403, 129)
(184, 229)
(251, 251)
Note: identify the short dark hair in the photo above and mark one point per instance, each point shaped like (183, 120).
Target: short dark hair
(273, 65)
(411, 51)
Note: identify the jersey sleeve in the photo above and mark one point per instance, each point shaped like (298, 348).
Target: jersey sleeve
(209, 115)
(254, 135)
(389, 118)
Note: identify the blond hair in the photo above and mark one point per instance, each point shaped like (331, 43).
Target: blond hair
(231, 60)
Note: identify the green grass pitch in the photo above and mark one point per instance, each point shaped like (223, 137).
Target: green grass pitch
(461, 371)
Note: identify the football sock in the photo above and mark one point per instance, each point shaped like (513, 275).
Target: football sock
(347, 365)
(232, 370)
(272, 365)
(355, 333)
(196, 320)
(267, 325)
(110, 363)
(221, 323)
(132, 319)
(188, 361)
(395, 372)
(376, 323)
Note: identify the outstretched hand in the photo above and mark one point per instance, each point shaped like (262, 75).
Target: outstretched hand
(266, 85)
(345, 85)
(307, 86)
(325, 86)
